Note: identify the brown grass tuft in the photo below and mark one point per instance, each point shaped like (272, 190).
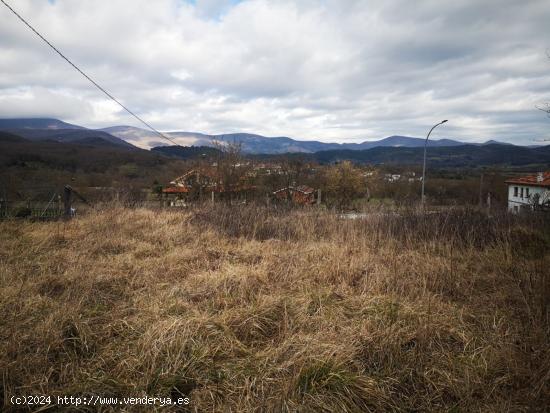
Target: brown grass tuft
(259, 309)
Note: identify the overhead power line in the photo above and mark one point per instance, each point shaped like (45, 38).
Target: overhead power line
(163, 136)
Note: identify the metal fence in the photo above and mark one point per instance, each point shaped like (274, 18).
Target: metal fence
(32, 211)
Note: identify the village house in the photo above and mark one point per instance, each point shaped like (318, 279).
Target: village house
(202, 184)
(193, 179)
(392, 177)
(411, 176)
(301, 195)
(192, 184)
(529, 192)
(268, 169)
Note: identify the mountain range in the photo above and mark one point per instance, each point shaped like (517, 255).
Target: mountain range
(444, 156)
(258, 144)
(56, 130)
(22, 137)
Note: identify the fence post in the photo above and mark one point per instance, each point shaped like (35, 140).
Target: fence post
(481, 191)
(67, 201)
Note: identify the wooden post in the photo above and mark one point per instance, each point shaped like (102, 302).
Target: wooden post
(67, 201)
(319, 196)
(212, 196)
(481, 190)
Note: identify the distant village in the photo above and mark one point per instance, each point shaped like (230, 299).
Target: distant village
(305, 184)
(298, 184)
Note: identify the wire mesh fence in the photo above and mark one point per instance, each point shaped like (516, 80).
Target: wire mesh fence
(9, 210)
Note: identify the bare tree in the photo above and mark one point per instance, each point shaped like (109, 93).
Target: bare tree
(540, 201)
(293, 171)
(231, 168)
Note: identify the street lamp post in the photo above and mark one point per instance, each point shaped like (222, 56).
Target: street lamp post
(424, 164)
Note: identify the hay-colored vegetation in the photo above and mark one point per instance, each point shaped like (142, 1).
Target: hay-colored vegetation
(247, 309)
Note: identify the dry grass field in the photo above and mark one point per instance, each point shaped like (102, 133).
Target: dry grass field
(256, 310)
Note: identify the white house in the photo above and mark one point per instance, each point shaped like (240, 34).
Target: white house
(392, 177)
(528, 191)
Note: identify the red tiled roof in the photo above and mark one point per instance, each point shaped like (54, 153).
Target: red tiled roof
(540, 179)
(305, 189)
(302, 188)
(217, 188)
(175, 190)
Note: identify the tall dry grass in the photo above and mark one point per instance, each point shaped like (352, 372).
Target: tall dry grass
(257, 309)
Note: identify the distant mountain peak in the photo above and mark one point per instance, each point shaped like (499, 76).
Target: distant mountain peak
(40, 129)
(495, 142)
(36, 123)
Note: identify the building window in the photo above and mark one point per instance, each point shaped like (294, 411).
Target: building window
(521, 196)
(515, 191)
(527, 192)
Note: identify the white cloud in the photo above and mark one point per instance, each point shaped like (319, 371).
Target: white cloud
(331, 70)
(42, 102)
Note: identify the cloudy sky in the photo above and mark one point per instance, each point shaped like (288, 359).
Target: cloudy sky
(332, 70)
